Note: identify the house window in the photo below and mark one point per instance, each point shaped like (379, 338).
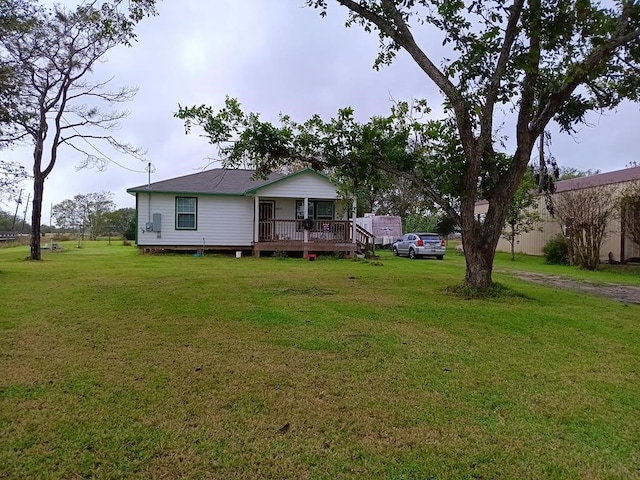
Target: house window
(186, 213)
(324, 210)
(318, 210)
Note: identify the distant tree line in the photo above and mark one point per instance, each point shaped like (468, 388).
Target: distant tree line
(95, 215)
(48, 96)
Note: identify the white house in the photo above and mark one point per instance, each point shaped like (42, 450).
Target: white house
(228, 209)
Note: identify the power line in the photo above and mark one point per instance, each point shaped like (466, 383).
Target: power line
(106, 157)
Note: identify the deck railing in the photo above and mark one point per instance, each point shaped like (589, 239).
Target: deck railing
(8, 236)
(363, 237)
(332, 231)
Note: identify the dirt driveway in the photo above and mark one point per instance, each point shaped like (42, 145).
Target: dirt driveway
(622, 293)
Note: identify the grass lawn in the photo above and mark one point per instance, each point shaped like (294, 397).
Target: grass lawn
(118, 365)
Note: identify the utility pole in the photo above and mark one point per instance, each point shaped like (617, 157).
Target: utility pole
(24, 218)
(15, 215)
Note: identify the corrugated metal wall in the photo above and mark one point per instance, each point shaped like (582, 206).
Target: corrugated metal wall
(532, 243)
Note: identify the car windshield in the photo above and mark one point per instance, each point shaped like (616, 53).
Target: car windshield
(430, 238)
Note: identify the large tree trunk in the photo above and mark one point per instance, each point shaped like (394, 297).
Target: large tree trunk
(480, 241)
(480, 238)
(513, 243)
(36, 215)
(479, 260)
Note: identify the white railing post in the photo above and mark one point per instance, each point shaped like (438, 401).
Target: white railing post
(256, 219)
(305, 216)
(354, 213)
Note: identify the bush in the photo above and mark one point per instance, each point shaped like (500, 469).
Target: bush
(556, 251)
(130, 233)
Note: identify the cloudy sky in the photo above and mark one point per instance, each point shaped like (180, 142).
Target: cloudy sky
(274, 56)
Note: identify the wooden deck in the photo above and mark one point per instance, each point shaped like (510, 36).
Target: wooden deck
(289, 236)
(309, 247)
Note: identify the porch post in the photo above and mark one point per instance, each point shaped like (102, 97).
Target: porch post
(354, 214)
(306, 215)
(256, 219)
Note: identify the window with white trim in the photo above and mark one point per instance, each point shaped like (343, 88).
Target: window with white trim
(325, 210)
(186, 213)
(318, 210)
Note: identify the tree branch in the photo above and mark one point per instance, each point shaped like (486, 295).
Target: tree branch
(510, 35)
(400, 33)
(581, 72)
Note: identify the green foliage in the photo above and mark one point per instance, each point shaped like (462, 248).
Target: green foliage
(119, 18)
(540, 49)
(13, 221)
(556, 251)
(567, 173)
(6, 221)
(130, 232)
(420, 223)
(446, 226)
(392, 194)
(521, 215)
(541, 60)
(93, 213)
(50, 64)
(17, 17)
(123, 222)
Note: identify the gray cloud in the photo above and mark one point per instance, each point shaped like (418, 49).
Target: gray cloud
(274, 56)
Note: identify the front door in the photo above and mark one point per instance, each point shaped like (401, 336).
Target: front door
(266, 210)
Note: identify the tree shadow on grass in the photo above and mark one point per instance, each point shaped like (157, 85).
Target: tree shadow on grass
(495, 291)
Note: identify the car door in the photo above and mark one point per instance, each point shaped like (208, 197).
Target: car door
(403, 247)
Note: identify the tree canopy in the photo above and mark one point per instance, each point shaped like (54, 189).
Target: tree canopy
(89, 212)
(568, 173)
(538, 60)
(54, 101)
(522, 216)
(16, 17)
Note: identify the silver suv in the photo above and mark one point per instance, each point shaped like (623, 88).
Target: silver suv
(416, 245)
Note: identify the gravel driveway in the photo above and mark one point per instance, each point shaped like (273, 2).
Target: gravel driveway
(622, 293)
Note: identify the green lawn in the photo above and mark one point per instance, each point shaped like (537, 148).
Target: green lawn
(118, 365)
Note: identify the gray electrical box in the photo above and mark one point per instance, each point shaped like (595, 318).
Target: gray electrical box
(157, 222)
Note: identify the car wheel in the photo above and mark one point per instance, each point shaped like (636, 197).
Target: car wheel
(439, 257)
(412, 254)
(395, 252)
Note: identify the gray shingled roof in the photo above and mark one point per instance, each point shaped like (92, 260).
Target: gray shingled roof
(609, 178)
(217, 181)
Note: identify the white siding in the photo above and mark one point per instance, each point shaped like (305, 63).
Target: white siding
(305, 184)
(221, 221)
(285, 208)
